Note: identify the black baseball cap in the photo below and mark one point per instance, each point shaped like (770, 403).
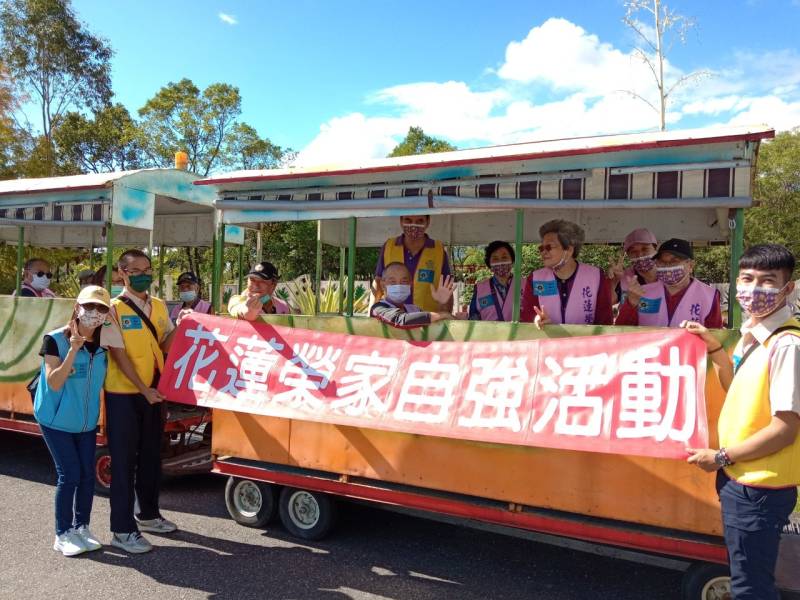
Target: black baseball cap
(678, 247)
(189, 277)
(264, 270)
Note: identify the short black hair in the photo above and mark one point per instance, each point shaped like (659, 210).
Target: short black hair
(496, 245)
(768, 257)
(129, 254)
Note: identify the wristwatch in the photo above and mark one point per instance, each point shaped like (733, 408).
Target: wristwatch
(722, 458)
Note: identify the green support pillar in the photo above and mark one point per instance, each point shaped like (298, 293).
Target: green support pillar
(20, 258)
(109, 253)
(737, 248)
(519, 232)
(161, 253)
(342, 267)
(351, 265)
(241, 268)
(91, 257)
(216, 273)
(318, 271)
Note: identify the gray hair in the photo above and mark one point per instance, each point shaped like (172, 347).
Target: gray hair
(569, 234)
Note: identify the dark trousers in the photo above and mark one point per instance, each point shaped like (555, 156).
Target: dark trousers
(73, 455)
(753, 518)
(135, 429)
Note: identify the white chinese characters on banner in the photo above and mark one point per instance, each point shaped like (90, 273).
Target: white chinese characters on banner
(428, 392)
(253, 358)
(202, 341)
(367, 376)
(495, 391)
(308, 372)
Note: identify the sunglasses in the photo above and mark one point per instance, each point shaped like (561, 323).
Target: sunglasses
(101, 308)
(44, 274)
(547, 248)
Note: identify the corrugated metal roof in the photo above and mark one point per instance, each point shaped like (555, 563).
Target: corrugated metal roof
(512, 152)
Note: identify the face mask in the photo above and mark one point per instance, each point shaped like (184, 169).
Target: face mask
(501, 269)
(116, 290)
(758, 301)
(90, 318)
(141, 283)
(40, 283)
(398, 293)
(414, 232)
(561, 263)
(266, 298)
(643, 264)
(671, 275)
(189, 296)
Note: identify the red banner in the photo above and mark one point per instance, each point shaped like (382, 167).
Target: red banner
(635, 393)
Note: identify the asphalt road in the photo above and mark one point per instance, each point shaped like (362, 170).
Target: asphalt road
(372, 554)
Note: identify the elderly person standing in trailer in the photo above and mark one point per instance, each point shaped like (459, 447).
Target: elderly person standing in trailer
(189, 290)
(639, 247)
(565, 291)
(259, 297)
(36, 277)
(675, 297)
(424, 257)
(491, 300)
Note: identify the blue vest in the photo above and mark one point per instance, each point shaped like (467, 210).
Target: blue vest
(76, 406)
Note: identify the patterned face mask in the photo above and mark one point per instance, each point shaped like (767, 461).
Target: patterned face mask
(644, 264)
(501, 269)
(414, 232)
(758, 301)
(90, 318)
(671, 275)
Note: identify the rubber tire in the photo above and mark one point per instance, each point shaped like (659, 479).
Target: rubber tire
(102, 460)
(264, 514)
(326, 514)
(697, 576)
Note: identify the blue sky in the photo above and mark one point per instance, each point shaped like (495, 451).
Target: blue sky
(344, 79)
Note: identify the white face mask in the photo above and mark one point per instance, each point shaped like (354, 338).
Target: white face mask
(90, 318)
(40, 283)
(398, 293)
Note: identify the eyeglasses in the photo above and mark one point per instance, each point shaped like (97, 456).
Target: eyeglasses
(547, 248)
(101, 308)
(44, 274)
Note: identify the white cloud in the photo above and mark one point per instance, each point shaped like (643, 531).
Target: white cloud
(228, 19)
(562, 81)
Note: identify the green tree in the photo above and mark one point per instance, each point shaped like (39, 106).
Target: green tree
(109, 141)
(417, 142)
(245, 149)
(12, 138)
(181, 117)
(54, 59)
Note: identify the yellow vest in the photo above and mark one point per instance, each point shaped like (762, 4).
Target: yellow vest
(746, 410)
(427, 275)
(142, 349)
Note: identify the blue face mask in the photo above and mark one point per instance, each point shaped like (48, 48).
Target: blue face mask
(265, 298)
(116, 290)
(188, 296)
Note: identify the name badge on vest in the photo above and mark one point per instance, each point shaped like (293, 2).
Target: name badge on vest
(132, 322)
(545, 288)
(649, 306)
(425, 275)
(486, 301)
(78, 371)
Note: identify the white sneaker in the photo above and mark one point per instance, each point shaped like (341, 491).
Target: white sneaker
(135, 543)
(158, 525)
(89, 540)
(69, 543)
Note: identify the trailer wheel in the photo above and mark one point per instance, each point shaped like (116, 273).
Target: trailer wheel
(307, 515)
(102, 471)
(250, 503)
(706, 581)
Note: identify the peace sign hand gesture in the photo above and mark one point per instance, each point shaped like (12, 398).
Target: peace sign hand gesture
(541, 319)
(76, 340)
(617, 268)
(635, 291)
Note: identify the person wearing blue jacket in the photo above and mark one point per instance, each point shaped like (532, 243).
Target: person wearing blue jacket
(67, 407)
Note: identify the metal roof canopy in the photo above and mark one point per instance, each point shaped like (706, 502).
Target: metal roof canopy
(472, 193)
(73, 211)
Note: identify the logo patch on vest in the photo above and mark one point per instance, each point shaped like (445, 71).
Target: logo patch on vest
(132, 322)
(649, 306)
(78, 371)
(486, 301)
(425, 275)
(545, 288)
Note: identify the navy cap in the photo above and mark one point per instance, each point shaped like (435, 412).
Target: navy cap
(678, 247)
(264, 270)
(189, 277)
